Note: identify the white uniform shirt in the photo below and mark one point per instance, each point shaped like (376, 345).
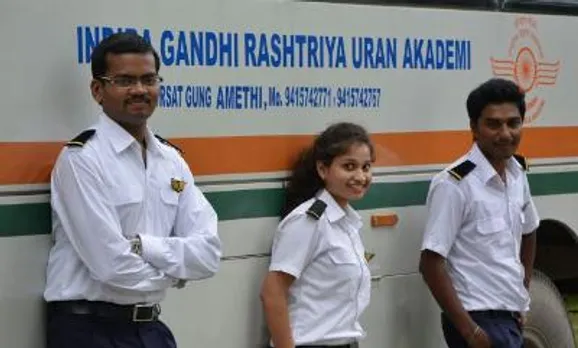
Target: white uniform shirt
(103, 196)
(332, 285)
(477, 224)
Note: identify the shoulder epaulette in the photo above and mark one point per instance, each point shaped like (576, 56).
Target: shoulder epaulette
(462, 169)
(168, 143)
(81, 139)
(522, 160)
(317, 209)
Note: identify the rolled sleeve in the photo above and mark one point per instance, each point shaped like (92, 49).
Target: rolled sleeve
(294, 245)
(445, 207)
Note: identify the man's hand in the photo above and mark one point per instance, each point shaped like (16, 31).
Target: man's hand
(479, 339)
(527, 280)
(522, 319)
(180, 284)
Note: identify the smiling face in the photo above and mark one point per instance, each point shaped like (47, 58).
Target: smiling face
(348, 176)
(498, 131)
(128, 105)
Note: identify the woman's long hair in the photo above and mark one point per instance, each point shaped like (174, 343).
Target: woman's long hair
(305, 181)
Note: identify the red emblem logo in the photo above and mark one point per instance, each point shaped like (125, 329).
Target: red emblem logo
(527, 65)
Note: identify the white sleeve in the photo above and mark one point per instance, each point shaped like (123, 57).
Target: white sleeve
(91, 224)
(194, 250)
(529, 211)
(445, 210)
(294, 245)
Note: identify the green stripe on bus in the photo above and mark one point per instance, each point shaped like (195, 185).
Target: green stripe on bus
(34, 218)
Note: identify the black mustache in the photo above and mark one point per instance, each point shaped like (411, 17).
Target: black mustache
(138, 100)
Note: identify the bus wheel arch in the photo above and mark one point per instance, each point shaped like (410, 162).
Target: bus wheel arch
(548, 324)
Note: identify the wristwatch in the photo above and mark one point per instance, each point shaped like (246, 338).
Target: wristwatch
(136, 245)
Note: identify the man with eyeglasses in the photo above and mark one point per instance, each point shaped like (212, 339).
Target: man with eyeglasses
(128, 220)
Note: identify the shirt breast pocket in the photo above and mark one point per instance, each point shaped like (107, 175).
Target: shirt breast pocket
(493, 237)
(127, 196)
(127, 201)
(345, 272)
(491, 225)
(169, 205)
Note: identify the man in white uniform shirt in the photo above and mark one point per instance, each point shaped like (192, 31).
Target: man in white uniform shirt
(479, 242)
(128, 220)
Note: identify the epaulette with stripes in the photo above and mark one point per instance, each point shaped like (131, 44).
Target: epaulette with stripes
(168, 143)
(81, 139)
(523, 162)
(317, 209)
(462, 169)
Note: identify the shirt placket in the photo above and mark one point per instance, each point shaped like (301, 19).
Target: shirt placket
(350, 234)
(509, 216)
(146, 194)
(513, 228)
(146, 205)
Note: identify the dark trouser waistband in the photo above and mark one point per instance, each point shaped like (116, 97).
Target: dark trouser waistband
(107, 310)
(339, 346)
(497, 313)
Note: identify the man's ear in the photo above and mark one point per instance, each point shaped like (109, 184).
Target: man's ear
(97, 90)
(474, 128)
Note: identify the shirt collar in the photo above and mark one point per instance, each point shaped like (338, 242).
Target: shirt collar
(121, 139)
(485, 170)
(335, 212)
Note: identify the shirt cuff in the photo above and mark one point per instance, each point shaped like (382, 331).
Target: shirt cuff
(436, 248)
(529, 228)
(153, 249)
(275, 267)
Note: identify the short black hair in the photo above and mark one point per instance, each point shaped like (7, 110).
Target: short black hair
(495, 91)
(119, 43)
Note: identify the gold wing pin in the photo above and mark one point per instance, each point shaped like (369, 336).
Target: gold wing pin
(178, 185)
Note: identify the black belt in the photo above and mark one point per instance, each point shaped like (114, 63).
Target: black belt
(112, 311)
(339, 346)
(497, 313)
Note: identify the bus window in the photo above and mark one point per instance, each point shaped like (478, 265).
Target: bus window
(451, 4)
(466, 4)
(560, 7)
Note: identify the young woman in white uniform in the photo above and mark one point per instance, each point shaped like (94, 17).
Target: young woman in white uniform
(318, 282)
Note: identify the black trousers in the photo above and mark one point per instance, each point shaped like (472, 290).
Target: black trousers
(65, 330)
(502, 327)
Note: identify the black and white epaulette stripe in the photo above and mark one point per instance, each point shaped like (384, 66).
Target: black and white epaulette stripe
(462, 169)
(523, 162)
(168, 143)
(81, 139)
(317, 209)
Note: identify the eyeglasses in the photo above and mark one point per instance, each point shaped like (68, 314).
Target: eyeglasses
(131, 81)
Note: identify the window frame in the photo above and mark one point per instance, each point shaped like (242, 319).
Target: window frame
(560, 7)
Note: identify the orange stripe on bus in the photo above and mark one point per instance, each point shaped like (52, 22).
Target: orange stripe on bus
(30, 162)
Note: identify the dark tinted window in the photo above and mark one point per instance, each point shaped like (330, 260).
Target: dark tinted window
(453, 4)
(561, 7)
